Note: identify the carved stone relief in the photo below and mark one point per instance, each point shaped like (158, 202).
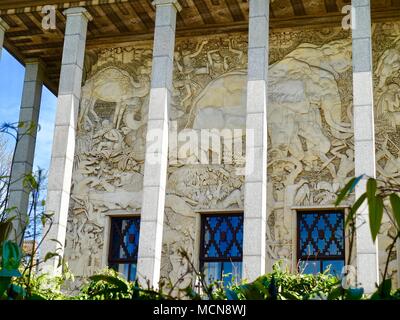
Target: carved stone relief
(310, 132)
(386, 47)
(109, 157)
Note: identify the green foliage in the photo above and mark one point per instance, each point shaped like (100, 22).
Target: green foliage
(377, 192)
(106, 286)
(283, 285)
(10, 260)
(109, 285)
(278, 285)
(43, 286)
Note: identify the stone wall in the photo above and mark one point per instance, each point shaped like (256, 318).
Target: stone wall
(310, 147)
(386, 47)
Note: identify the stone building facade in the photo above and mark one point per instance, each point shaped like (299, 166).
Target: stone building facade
(315, 99)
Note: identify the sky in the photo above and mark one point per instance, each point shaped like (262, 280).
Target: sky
(11, 84)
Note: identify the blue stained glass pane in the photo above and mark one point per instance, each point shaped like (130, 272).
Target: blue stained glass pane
(328, 233)
(212, 252)
(223, 236)
(321, 234)
(212, 271)
(333, 249)
(228, 272)
(335, 266)
(132, 275)
(231, 273)
(235, 251)
(308, 220)
(310, 267)
(332, 219)
(124, 239)
(321, 223)
(239, 235)
(321, 244)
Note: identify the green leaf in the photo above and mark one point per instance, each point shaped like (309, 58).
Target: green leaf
(348, 188)
(375, 215)
(10, 210)
(121, 285)
(344, 191)
(355, 207)
(50, 255)
(17, 292)
(57, 241)
(11, 255)
(250, 292)
(395, 202)
(371, 187)
(335, 293)
(4, 283)
(383, 291)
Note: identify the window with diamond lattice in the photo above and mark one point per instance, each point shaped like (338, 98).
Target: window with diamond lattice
(221, 247)
(321, 241)
(124, 243)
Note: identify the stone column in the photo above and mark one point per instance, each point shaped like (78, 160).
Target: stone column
(256, 142)
(69, 92)
(364, 138)
(25, 151)
(156, 162)
(3, 28)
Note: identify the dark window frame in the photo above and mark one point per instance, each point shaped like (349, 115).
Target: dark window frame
(320, 258)
(128, 261)
(202, 259)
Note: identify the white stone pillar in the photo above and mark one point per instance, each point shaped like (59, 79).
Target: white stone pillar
(254, 242)
(364, 138)
(3, 28)
(62, 157)
(25, 151)
(156, 162)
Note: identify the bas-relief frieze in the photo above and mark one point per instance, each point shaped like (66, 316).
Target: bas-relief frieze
(110, 147)
(386, 47)
(311, 148)
(310, 137)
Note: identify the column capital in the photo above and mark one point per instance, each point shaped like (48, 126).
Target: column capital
(174, 3)
(3, 25)
(78, 11)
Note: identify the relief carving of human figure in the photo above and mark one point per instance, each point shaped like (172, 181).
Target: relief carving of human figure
(185, 62)
(109, 140)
